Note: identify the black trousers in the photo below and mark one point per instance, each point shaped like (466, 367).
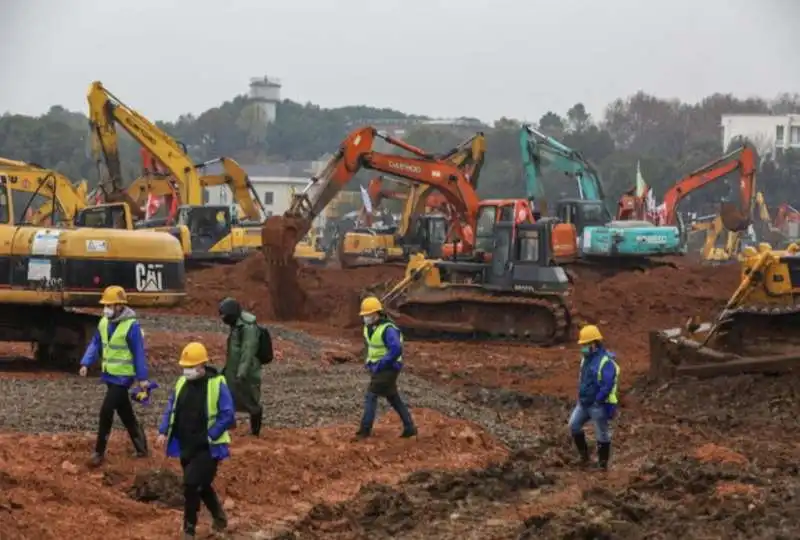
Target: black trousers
(199, 471)
(117, 400)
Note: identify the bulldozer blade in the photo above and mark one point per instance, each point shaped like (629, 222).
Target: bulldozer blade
(732, 218)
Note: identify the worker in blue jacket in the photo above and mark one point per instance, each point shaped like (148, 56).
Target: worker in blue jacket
(194, 427)
(384, 361)
(597, 395)
(119, 342)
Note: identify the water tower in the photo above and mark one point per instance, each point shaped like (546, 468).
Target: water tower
(266, 93)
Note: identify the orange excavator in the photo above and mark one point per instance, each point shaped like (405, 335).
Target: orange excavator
(280, 234)
(735, 218)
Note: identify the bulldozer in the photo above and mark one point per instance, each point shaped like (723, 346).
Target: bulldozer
(756, 331)
(519, 295)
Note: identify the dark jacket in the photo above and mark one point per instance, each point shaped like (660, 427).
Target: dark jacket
(191, 432)
(242, 360)
(383, 381)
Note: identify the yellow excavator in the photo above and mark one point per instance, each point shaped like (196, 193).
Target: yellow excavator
(46, 272)
(421, 229)
(208, 233)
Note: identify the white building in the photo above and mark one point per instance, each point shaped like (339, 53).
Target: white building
(767, 132)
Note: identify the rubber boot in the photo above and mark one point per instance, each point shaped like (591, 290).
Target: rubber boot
(220, 520)
(96, 460)
(583, 448)
(255, 423)
(603, 453)
(139, 439)
(409, 432)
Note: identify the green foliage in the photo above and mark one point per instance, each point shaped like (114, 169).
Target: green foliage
(667, 137)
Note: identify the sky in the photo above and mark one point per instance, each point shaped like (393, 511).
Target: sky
(442, 58)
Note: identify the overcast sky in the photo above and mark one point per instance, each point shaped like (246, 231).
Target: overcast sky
(490, 58)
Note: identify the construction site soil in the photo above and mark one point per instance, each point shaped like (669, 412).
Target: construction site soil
(692, 458)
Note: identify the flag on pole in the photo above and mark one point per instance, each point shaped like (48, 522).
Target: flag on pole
(641, 186)
(366, 200)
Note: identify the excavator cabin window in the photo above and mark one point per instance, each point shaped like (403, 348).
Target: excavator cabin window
(4, 211)
(528, 246)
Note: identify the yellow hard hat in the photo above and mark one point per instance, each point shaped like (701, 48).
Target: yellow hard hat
(369, 306)
(193, 355)
(114, 294)
(588, 334)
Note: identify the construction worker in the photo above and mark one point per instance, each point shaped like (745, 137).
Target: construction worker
(120, 343)
(384, 361)
(242, 367)
(597, 395)
(194, 428)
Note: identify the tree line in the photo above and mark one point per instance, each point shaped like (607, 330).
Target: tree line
(668, 138)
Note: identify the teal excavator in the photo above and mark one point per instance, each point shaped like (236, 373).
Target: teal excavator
(599, 236)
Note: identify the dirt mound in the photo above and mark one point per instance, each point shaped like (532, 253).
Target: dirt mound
(327, 295)
(677, 499)
(162, 486)
(381, 511)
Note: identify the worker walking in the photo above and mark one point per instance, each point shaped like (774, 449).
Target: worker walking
(597, 395)
(384, 361)
(243, 366)
(120, 343)
(194, 428)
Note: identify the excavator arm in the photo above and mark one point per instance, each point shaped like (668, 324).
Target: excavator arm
(236, 178)
(105, 111)
(745, 160)
(539, 150)
(281, 234)
(29, 178)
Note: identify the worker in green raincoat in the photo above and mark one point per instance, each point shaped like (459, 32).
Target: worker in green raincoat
(243, 368)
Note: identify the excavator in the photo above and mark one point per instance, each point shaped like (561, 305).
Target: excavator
(46, 272)
(423, 223)
(207, 232)
(599, 238)
(507, 288)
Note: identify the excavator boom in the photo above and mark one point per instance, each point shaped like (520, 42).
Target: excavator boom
(745, 160)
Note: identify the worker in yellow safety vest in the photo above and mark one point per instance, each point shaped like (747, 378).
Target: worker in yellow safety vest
(194, 427)
(384, 361)
(119, 343)
(597, 395)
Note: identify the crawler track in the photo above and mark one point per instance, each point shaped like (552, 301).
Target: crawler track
(464, 311)
(760, 329)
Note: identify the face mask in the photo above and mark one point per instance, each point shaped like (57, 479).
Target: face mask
(108, 312)
(586, 349)
(229, 320)
(192, 373)
(369, 319)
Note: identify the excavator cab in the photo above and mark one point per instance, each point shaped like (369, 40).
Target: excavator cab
(209, 228)
(582, 213)
(105, 216)
(522, 260)
(428, 234)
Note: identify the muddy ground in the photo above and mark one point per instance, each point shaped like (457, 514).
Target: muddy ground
(692, 459)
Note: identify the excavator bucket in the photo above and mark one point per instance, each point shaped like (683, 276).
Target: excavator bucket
(279, 236)
(732, 218)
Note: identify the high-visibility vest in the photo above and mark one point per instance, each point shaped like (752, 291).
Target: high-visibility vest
(212, 406)
(117, 356)
(612, 398)
(376, 348)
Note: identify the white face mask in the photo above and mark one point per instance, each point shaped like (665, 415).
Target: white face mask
(108, 312)
(369, 319)
(192, 372)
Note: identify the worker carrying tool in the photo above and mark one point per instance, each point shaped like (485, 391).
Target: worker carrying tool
(194, 427)
(597, 395)
(384, 361)
(243, 364)
(120, 343)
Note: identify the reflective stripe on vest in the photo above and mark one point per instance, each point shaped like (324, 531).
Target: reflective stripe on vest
(376, 348)
(612, 396)
(212, 407)
(117, 356)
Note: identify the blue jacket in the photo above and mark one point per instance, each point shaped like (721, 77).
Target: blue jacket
(135, 340)
(394, 346)
(592, 390)
(226, 416)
